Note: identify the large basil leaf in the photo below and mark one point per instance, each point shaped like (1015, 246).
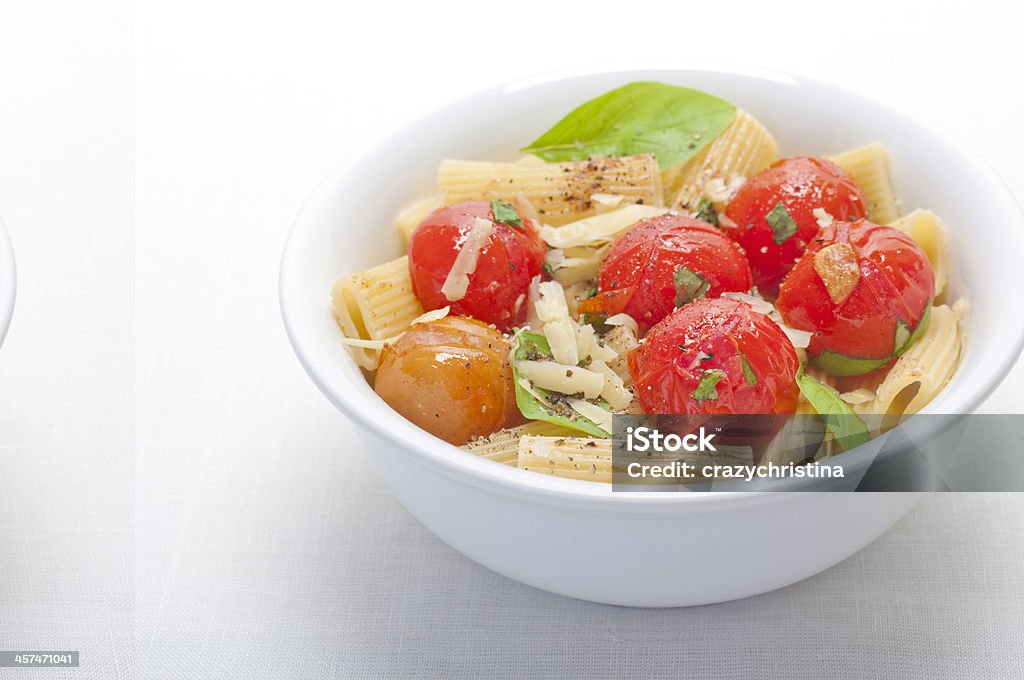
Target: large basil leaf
(531, 346)
(671, 122)
(845, 425)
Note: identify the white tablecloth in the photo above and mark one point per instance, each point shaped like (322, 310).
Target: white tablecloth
(176, 497)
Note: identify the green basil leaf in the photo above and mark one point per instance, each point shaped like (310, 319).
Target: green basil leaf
(506, 213)
(748, 372)
(706, 387)
(782, 223)
(706, 212)
(530, 347)
(846, 426)
(904, 339)
(835, 363)
(548, 269)
(598, 321)
(689, 285)
(673, 123)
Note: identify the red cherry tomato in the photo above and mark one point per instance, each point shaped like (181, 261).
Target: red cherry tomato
(715, 357)
(863, 290)
(775, 237)
(510, 258)
(663, 263)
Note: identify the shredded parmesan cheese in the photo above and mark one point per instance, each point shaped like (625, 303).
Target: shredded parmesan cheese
(824, 219)
(756, 303)
(532, 296)
(614, 390)
(800, 339)
(457, 282)
(599, 229)
(589, 347)
(556, 377)
(365, 344)
(718, 191)
(556, 324)
(623, 319)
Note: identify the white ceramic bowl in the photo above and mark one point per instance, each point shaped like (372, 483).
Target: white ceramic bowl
(581, 539)
(8, 282)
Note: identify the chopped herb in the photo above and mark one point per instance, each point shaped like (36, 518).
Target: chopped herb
(782, 223)
(592, 292)
(706, 388)
(598, 321)
(506, 213)
(748, 372)
(690, 286)
(548, 270)
(706, 212)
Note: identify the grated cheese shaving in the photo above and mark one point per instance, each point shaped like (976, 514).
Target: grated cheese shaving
(756, 303)
(623, 319)
(557, 377)
(824, 219)
(614, 390)
(599, 229)
(718, 191)
(457, 282)
(800, 339)
(556, 324)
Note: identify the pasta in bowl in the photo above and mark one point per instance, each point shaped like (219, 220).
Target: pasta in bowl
(577, 537)
(687, 269)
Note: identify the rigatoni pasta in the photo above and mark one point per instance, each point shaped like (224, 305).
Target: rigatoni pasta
(869, 167)
(411, 216)
(560, 192)
(375, 305)
(926, 229)
(570, 457)
(921, 373)
(744, 149)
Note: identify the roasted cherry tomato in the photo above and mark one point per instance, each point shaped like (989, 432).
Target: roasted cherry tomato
(772, 215)
(864, 291)
(666, 262)
(715, 356)
(510, 257)
(451, 377)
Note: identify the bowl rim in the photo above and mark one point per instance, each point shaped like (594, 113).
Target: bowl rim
(8, 281)
(456, 462)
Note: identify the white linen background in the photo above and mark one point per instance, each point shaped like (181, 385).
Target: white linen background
(263, 544)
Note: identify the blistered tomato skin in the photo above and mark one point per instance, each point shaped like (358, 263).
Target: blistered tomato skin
(715, 356)
(639, 275)
(451, 377)
(801, 185)
(895, 286)
(508, 261)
